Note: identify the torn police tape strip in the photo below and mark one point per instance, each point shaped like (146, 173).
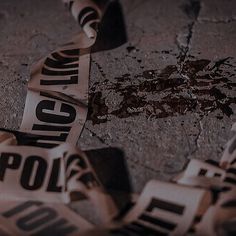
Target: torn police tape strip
(55, 112)
(41, 170)
(220, 218)
(40, 218)
(202, 202)
(46, 172)
(54, 175)
(229, 154)
(57, 98)
(162, 209)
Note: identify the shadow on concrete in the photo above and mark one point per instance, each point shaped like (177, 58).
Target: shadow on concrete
(111, 169)
(112, 30)
(28, 139)
(108, 163)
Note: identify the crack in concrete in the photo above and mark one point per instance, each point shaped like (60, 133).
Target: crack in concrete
(98, 137)
(128, 159)
(10, 82)
(37, 34)
(189, 145)
(199, 134)
(196, 140)
(193, 12)
(217, 21)
(99, 68)
(184, 49)
(134, 5)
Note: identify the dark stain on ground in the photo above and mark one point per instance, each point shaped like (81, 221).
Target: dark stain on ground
(130, 49)
(99, 68)
(201, 87)
(97, 110)
(124, 78)
(192, 8)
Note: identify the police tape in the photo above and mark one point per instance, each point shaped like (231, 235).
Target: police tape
(40, 218)
(42, 170)
(57, 98)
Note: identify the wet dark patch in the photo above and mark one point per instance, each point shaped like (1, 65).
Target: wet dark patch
(190, 68)
(165, 52)
(124, 78)
(130, 48)
(202, 87)
(3, 16)
(97, 109)
(99, 68)
(192, 8)
(130, 104)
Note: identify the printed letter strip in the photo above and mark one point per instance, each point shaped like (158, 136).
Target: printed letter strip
(42, 170)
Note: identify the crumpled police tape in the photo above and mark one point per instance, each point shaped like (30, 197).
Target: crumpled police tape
(37, 182)
(57, 98)
(200, 201)
(41, 170)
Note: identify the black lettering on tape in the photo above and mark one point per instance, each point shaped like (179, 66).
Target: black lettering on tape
(158, 222)
(71, 174)
(48, 95)
(73, 80)
(233, 161)
(68, 110)
(71, 4)
(65, 59)
(71, 52)
(52, 185)
(230, 203)
(166, 206)
(44, 127)
(231, 171)
(86, 15)
(19, 208)
(230, 180)
(36, 219)
(217, 175)
(137, 229)
(9, 161)
(230, 175)
(232, 147)
(27, 173)
(202, 172)
(62, 66)
(55, 64)
(49, 72)
(89, 180)
(80, 162)
(56, 138)
(59, 228)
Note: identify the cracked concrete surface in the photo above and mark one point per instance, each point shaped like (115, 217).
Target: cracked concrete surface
(165, 96)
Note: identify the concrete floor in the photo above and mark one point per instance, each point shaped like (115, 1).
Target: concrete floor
(164, 97)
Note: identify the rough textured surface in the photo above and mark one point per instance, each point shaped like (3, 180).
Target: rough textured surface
(165, 96)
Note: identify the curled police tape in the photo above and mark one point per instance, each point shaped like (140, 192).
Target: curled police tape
(42, 170)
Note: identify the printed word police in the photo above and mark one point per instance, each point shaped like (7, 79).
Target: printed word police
(34, 170)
